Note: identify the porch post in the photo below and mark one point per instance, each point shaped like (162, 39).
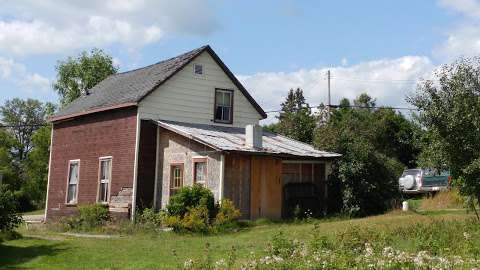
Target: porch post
(135, 168)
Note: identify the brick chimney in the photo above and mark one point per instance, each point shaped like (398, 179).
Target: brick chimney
(253, 136)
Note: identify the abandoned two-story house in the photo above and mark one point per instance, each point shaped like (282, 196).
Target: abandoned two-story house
(139, 136)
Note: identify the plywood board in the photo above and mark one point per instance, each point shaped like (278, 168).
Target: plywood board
(266, 187)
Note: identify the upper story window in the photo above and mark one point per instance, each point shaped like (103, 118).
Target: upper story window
(224, 106)
(198, 69)
(72, 181)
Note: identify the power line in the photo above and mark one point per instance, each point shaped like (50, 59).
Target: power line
(354, 106)
(22, 125)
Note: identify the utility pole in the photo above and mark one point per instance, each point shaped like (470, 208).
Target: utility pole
(329, 98)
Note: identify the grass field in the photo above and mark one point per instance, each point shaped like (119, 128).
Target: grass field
(43, 249)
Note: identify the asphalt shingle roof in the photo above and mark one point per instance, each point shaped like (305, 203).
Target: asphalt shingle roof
(233, 139)
(130, 86)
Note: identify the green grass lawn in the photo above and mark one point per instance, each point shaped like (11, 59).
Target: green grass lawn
(41, 249)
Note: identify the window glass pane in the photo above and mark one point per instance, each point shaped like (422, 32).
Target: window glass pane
(105, 169)
(198, 69)
(200, 172)
(73, 177)
(226, 114)
(104, 192)
(227, 98)
(72, 193)
(219, 98)
(218, 113)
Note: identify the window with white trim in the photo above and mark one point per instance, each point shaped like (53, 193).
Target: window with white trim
(200, 171)
(105, 178)
(223, 106)
(73, 175)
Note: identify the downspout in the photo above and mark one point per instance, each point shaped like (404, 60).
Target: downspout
(49, 173)
(135, 168)
(222, 174)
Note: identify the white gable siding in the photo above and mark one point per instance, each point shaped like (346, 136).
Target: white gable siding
(187, 97)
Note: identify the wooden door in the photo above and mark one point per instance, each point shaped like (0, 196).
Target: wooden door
(266, 187)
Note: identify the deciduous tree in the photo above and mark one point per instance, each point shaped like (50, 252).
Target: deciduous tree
(75, 76)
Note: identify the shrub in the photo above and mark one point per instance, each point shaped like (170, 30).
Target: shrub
(227, 215)
(151, 218)
(443, 200)
(174, 222)
(188, 197)
(89, 216)
(197, 219)
(9, 219)
(193, 209)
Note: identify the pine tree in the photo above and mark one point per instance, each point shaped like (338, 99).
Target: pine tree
(296, 120)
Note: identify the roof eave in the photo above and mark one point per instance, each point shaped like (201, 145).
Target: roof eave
(96, 110)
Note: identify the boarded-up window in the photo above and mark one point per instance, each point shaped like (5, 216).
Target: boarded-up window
(200, 171)
(73, 176)
(297, 172)
(176, 178)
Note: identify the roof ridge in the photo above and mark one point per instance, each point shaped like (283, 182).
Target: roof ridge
(162, 61)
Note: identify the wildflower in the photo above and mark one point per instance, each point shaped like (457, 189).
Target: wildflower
(221, 264)
(188, 264)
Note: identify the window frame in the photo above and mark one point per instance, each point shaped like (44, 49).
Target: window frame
(100, 159)
(231, 91)
(194, 174)
(70, 162)
(172, 167)
(194, 70)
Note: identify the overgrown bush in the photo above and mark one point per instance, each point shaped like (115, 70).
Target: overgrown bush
(89, 216)
(193, 209)
(227, 215)
(191, 196)
(447, 199)
(151, 218)
(9, 219)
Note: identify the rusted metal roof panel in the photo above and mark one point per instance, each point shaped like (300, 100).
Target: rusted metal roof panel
(233, 139)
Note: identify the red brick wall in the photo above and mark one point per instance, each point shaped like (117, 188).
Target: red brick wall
(110, 133)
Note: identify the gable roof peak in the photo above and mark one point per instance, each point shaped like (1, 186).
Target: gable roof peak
(130, 87)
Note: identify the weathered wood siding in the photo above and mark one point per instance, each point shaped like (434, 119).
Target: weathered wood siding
(237, 182)
(266, 187)
(187, 97)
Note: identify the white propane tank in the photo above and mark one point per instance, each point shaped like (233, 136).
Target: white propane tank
(405, 206)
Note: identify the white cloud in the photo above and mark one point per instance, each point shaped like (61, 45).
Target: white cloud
(17, 73)
(388, 80)
(464, 39)
(344, 61)
(39, 27)
(467, 7)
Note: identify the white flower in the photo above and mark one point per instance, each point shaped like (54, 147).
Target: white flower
(188, 264)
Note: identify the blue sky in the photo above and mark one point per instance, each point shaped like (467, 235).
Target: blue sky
(379, 47)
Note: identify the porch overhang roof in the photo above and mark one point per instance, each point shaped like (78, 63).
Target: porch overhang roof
(232, 139)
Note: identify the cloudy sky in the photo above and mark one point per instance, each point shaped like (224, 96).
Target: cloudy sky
(379, 47)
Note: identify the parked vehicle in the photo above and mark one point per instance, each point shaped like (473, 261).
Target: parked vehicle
(416, 181)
